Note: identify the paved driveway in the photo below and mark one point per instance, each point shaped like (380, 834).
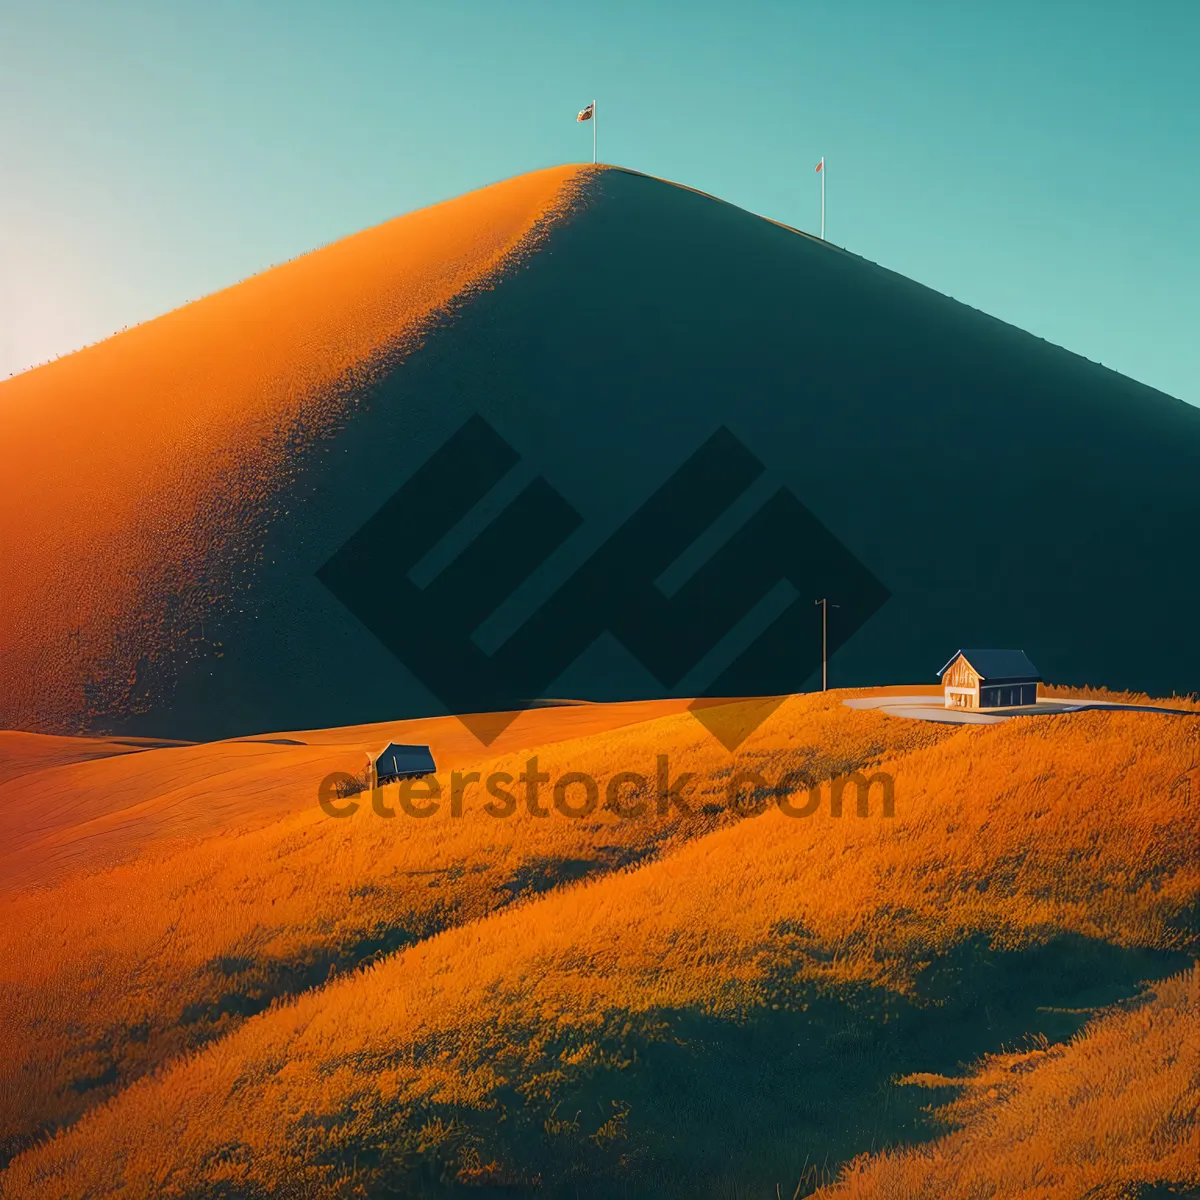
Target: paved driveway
(931, 708)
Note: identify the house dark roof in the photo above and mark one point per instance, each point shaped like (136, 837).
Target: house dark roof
(396, 760)
(998, 665)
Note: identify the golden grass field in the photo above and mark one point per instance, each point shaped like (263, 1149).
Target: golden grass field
(209, 987)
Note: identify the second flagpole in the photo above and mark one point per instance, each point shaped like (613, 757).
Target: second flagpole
(593, 133)
(822, 198)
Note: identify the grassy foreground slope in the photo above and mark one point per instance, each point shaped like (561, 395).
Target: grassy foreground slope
(1114, 1112)
(232, 889)
(722, 1016)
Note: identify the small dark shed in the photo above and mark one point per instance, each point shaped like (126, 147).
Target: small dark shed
(395, 761)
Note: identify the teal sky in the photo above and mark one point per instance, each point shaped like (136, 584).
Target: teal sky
(1039, 161)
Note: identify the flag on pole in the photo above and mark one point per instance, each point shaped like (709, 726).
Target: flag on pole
(820, 170)
(589, 114)
(819, 167)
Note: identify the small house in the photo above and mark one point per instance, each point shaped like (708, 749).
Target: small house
(395, 762)
(990, 679)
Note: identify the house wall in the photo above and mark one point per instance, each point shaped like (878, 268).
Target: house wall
(1008, 695)
(962, 685)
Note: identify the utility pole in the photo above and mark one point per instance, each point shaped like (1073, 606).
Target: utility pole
(825, 607)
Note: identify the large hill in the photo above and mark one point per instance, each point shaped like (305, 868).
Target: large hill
(231, 519)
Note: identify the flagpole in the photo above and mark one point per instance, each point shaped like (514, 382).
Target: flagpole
(593, 133)
(822, 197)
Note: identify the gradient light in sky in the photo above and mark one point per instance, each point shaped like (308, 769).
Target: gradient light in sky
(1039, 161)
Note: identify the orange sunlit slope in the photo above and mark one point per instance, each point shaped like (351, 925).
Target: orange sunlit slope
(62, 812)
(176, 436)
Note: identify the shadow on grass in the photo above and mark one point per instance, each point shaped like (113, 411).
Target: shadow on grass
(678, 1103)
(232, 988)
